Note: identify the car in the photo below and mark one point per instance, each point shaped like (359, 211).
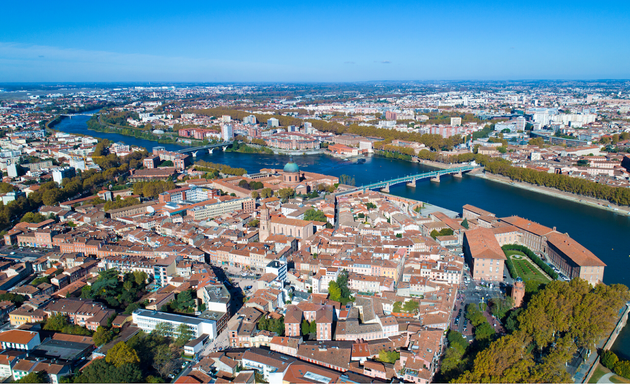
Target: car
(12, 253)
(248, 287)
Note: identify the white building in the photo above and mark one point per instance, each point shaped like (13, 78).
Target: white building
(12, 170)
(273, 122)
(17, 339)
(227, 133)
(279, 269)
(62, 173)
(147, 320)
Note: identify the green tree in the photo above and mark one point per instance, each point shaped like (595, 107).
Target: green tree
(334, 292)
(622, 368)
(100, 371)
(102, 336)
(121, 354)
(163, 329)
(609, 359)
(30, 217)
(255, 195)
(342, 282)
(184, 335)
(388, 356)
(484, 331)
(411, 306)
(285, 193)
(56, 322)
(315, 215)
(455, 337)
(501, 306)
(305, 327)
(140, 277)
(266, 193)
(34, 377)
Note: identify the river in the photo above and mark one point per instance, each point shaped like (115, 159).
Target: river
(603, 232)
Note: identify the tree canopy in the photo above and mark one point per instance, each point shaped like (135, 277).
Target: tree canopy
(557, 321)
(315, 215)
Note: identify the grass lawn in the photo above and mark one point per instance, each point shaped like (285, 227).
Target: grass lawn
(618, 379)
(525, 269)
(599, 372)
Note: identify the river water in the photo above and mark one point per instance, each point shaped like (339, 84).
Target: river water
(605, 233)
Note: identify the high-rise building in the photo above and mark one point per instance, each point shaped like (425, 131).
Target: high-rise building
(251, 120)
(62, 173)
(520, 123)
(226, 118)
(390, 115)
(13, 170)
(227, 132)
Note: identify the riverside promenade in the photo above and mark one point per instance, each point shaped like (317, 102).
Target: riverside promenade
(587, 368)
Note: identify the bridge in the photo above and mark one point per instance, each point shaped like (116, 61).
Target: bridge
(410, 180)
(209, 147)
(70, 115)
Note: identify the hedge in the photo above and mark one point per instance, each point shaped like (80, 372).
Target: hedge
(510, 267)
(544, 266)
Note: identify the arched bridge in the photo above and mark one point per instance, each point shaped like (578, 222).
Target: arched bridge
(209, 147)
(410, 180)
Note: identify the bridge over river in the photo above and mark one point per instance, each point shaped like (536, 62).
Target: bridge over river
(410, 180)
(209, 147)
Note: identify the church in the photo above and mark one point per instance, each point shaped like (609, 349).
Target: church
(282, 225)
(292, 177)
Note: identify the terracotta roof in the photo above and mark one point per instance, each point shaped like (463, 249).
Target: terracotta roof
(574, 250)
(293, 222)
(293, 315)
(483, 245)
(17, 336)
(527, 225)
(476, 210)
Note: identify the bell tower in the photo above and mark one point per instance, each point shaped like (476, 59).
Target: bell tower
(264, 229)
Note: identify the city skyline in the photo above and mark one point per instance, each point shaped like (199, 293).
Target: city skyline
(333, 42)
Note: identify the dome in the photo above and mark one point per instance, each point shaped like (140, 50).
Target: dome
(291, 167)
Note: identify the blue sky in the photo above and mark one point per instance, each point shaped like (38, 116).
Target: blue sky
(300, 41)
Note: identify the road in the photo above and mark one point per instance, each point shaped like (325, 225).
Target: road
(22, 252)
(220, 343)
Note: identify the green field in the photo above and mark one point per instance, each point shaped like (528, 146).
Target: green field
(525, 268)
(601, 371)
(598, 373)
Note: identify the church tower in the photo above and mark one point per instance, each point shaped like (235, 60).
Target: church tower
(264, 225)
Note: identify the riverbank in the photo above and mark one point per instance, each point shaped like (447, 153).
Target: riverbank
(437, 164)
(583, 375)
(278, 151)
(595, 203)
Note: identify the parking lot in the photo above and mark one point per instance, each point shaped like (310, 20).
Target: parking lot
(471, 292)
